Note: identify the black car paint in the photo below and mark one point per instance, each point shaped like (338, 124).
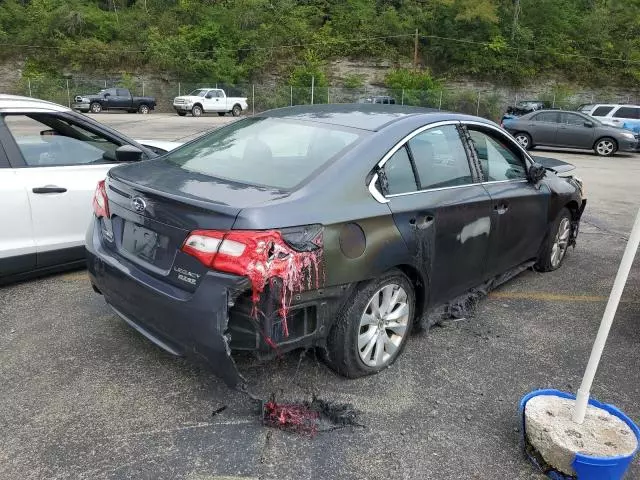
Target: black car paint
(422, 234)
(114, 102)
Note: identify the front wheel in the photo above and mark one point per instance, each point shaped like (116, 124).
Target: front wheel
(95, 107)
(556, 244)
(196, 111)
(144, 109)
(524, 139)
(372, 328)
(605, 147)
(236, 111)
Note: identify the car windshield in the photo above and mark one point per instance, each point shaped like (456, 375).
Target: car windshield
(267, 152)
(200, 92)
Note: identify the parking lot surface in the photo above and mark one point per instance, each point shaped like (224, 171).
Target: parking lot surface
(84, 396)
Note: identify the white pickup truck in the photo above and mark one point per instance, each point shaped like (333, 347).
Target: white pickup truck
(206, 100)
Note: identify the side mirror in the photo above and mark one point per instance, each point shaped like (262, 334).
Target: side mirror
(47, 133)
(128, 153)
(588, 124)
(107, 94)
(209, 95)
(536, 173)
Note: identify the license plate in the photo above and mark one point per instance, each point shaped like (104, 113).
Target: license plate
(140, 241)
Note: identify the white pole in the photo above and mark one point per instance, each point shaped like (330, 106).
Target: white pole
(29, 80)
(554, 101)
(143, 88)
(68, 94)
(179, 89)
(328, 95)
(291, 95)
(440, 103)
(402, 101)
(253, 98)
(478, 105)
(607, 319)
(105, 84)
(313, 79)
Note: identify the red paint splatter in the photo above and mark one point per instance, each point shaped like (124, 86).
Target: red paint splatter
(266, 256)
(292, 417)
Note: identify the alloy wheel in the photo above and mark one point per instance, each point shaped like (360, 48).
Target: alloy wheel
(523, 140)
(561, 242)
(383, 325)
(605, 147)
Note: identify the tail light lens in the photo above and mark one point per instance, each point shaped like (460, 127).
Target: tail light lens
(237, 251)
(100, 200)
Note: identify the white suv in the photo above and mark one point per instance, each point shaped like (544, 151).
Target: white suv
(615, 115)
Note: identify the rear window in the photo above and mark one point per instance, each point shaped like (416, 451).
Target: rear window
(628, 112)
(601, 111)
(267, 152)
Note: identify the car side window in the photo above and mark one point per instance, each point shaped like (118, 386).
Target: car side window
(602, 111)
(399, 174)
(572, 119)
(111, 91)
(121, 92)
(48, 140)
(627, 112)
(440, 158)
(497, 159)
(549, 117)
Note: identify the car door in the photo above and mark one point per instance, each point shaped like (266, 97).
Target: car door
(122, 99)
(17, 245)
(59, 161)
(441, 211)
(519, 208)
(110, 98)
(543, 128)
(574, 132)
(624, 114)
(211, 102)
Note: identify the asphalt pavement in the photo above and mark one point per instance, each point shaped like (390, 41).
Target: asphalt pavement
(84, 396)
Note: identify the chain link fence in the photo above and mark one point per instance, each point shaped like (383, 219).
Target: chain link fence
(489, 103)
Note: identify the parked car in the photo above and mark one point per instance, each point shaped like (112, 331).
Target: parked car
(555, 128)
(615, 115)
(209, 100)
(113, 99)
(384, 99)
(50, 161)
(335, 226)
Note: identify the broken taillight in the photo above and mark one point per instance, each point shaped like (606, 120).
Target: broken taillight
(100, 200)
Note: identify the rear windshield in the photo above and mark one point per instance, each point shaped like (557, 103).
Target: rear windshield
(267, 152)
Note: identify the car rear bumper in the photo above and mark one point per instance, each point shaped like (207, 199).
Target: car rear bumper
(180, 322)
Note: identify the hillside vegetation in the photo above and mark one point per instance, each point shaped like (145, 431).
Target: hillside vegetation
(594, 42)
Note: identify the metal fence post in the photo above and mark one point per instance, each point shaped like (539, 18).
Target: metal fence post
(328, 95)
(68, 94)
(179, 89)
(291, 95)
(554, 101)
(253, 98)
(105, 84)
(402, 101)
(478, 105)
(440, 102)
(143, 88)
(313, 80)
(29, 80)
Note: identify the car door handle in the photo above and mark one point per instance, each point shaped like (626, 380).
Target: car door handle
(422, 222)
(49, 189)
(501, 208)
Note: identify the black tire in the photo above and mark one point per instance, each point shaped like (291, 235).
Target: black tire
(222, 114)
(524, 140)
(605, 147)
(236, 110)
(144, 108)
(95, 107)
(546, 262)
(196, 111)
(343, 353)
(182, 114)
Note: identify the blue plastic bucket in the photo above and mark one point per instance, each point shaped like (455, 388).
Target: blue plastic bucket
(586, 467)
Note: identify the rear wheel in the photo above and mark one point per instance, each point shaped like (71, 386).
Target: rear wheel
(236, 111)
(556, 244)
(605, 147)
(95, 107)
(196, 111)
(144, 109)
(524, 139)
(372, 328)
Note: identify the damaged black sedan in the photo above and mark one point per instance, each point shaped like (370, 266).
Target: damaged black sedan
(335, 226)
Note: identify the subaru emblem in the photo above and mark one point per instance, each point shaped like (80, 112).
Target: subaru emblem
(138, 204)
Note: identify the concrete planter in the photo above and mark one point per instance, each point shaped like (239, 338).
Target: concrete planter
(587, 467)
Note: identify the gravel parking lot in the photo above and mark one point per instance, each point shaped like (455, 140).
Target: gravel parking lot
(84, 396)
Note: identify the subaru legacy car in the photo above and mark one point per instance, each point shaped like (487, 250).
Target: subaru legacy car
(50, 161)
(335, 226)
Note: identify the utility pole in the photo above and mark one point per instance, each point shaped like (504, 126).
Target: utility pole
(516, 14)
(415, 51)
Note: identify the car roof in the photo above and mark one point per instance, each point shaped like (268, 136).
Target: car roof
(17, 102)
(364, 116)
